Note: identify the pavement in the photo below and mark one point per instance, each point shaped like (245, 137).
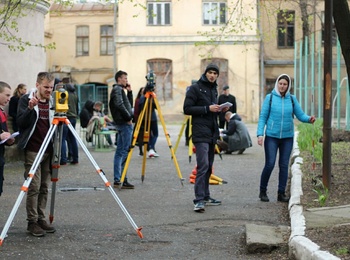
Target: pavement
(91, 224)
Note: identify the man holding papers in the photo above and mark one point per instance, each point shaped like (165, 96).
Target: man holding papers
(226, 98)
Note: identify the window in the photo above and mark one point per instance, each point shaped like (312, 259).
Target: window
(106, 41)
(158, 13)
(214, 13)
(334, 31)
(82, 41)
(163, 71)
(285, 29)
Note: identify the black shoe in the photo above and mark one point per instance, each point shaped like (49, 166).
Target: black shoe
(222, 144)
(241, 151)
(282, 197)
(127, 185)
(263, 196)
(116, 184)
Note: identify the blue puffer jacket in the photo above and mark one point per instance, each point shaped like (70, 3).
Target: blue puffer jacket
(276, 119)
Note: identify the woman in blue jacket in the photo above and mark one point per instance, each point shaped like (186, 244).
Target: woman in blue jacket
(276, 123)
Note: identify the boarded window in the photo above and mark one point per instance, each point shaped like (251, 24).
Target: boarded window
(162, 68)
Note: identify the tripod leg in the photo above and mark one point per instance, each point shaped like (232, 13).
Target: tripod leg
(168, 140)
(55, 167)
(136, 133)
(147, 133)
(106, 182)
(29, 179)
(190, 143)
(180, 134)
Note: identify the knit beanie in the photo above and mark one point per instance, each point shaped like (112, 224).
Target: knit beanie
(212, 66)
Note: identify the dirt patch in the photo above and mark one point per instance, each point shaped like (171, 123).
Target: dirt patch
(335, 239)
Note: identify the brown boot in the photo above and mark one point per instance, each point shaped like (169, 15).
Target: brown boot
(46, 227)
(35, 229)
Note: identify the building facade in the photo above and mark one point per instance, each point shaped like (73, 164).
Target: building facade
(252, 42)
(169, 37)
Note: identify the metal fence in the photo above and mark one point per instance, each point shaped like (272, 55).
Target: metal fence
(93, 92)
(308, 80)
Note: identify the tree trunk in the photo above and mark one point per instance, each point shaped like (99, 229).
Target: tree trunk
(341, 16)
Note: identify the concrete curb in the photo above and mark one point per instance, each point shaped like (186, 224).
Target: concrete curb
(299, 245)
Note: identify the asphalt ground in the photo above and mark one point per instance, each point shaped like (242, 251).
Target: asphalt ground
(91, 225)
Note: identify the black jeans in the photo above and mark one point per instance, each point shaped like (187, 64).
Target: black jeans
(205, 158)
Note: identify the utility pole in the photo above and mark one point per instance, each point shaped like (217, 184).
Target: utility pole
(327, 97)
(115, 38)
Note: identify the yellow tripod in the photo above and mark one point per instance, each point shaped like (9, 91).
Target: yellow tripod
(151, 99)
(188, 120)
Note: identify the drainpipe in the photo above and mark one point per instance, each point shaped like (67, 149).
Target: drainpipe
(115, 38)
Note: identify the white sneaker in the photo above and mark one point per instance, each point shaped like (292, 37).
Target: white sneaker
(155, 154)
(151, 153)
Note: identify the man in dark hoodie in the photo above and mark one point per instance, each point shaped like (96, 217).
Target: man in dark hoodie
(200, 103)
(86, 113)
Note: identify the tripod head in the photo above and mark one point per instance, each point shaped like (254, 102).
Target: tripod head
(151, 77)
(60, 97)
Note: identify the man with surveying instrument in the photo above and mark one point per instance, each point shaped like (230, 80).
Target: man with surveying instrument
(33, 119)
(34, 114)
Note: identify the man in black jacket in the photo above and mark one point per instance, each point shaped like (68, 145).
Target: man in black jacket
(121, 109)
(223, 98)
(200, 103)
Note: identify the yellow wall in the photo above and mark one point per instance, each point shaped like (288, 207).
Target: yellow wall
(137, 43)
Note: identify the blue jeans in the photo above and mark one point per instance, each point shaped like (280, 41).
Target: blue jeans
(68, 138)
(271, 145)
(205, 158)
(121, 153)
(154, 135)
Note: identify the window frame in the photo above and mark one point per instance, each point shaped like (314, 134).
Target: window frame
(108, 40)
(214, 18)
(162, 14)
(285, 29)
(82, 41)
